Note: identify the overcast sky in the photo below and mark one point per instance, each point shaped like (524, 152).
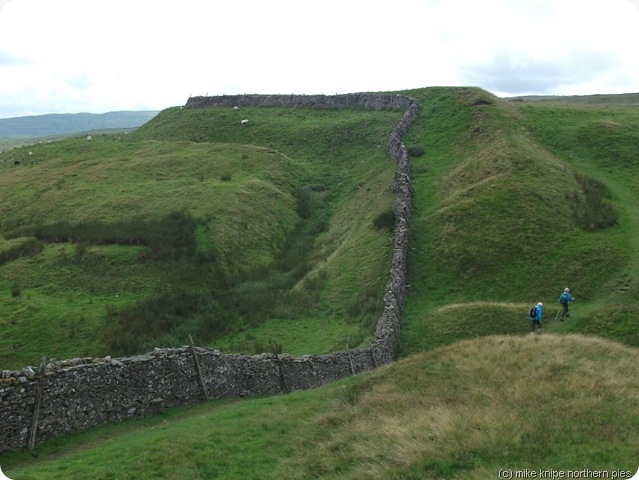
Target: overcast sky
(68, 56)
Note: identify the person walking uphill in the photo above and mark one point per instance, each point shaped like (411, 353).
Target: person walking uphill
(535, 319)
(565, 298)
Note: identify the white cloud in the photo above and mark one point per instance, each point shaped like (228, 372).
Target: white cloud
(74, 55)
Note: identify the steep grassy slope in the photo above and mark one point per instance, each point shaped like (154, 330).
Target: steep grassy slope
(129, 242)
(506, 197)
(503, 217)
(458, 412)
(346, 165)
(601, 143)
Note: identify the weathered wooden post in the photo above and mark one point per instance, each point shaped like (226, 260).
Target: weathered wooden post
(283, 383)
(36, 410)
(350, 359)
(199, 370)
(370, 348)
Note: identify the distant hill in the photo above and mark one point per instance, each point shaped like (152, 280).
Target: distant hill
(68, 123)
(620, 99)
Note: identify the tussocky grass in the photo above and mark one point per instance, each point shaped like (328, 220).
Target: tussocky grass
(462, 411)
(493, 231)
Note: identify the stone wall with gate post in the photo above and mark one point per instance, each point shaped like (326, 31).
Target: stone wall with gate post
(71, 395)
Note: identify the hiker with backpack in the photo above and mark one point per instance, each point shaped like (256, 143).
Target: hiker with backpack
(535, 314)
(564, 299)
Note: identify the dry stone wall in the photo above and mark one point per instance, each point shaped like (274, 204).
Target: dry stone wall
(67, 396)
(350, 100)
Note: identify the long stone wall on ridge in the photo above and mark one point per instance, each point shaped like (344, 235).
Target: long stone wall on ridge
(70, 395)
(350, 100)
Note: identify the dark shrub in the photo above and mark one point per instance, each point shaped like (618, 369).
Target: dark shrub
(415, 150)
(590, 206)
(29, 246)
(170, 236)
(385, 220)
(80, 250)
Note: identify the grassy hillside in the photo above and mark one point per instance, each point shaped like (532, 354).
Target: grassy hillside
(347, 165)
(459, 412)
(513, 202)
(126, 243)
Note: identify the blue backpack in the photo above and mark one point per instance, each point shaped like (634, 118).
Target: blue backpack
(532, 313)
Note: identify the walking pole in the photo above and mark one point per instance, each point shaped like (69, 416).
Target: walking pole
(558, 312)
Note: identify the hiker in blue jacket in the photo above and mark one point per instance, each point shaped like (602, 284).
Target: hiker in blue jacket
(565, 298)
(535, 322)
